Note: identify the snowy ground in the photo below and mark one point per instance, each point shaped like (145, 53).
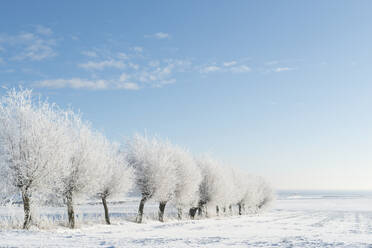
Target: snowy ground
(296, 220)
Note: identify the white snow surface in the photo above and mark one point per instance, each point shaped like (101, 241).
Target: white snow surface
(296, 220)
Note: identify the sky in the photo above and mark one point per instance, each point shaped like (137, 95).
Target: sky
(282, 89)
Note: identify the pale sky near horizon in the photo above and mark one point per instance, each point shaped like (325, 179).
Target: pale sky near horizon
(280, 88)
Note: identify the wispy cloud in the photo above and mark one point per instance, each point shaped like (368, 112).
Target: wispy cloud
(91, 54)
(160, 75)
(122, 55)
(124, 77)
(100, 65)
(129, 79)
(281, 69)
(240, 69)
(133, 66)
(128, 86)
(210, 68)
(87, 84)
(35, 46)
(137, 49)
(281, 65)
(74, 83)
(229, 63)
(43, 30)
(229, 66)
(273, 62)
(158, 35)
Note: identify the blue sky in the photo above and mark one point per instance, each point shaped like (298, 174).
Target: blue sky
(281, 88)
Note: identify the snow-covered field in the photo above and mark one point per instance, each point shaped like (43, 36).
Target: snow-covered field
(315, 219)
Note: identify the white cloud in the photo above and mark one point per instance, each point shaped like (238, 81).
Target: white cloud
(129, 86)
(37, 50)
(137, 49)
(75, 37)
(91, 65)
(151, 74)
(164, 82)
(211, 68)
(158, 74)
(146, 76)
(240, 69)
(158, 35)
(43, 30)
(122, 56)
(91, 54)
(230, 63)
(273, 62)
(281, 69)
(161, 35)
(79, 83)
(74, 83)
(154, 63)
(124, 77)
(133, 66)
(31, 46)
(134, 73)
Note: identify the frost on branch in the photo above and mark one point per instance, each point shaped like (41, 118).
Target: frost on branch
(214, 188)
(258, 194)
(188, 176)
(76, 178)
(116, 177)
(50, 155)
(154, 171)
(32, 145)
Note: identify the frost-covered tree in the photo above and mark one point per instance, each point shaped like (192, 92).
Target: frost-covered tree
(116, 177)
(33, 144)
(215, 186)
(239, 187)
(258, 194)
(77, 177)
(188, 180)
(154, 171)
(264, 194)
(231, 192)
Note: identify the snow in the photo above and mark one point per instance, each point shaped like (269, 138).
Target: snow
(296, 220)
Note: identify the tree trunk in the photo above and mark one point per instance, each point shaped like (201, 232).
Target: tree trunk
(217, 210)
(179, 213)
(192, 212)
(240, 208)
(230, 208)
(26, 209)
(161, 211)
(140, 209)
(107, 217)
(200, 212)
(70, 211)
